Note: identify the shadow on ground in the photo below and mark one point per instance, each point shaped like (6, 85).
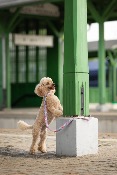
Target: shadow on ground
(16, 152)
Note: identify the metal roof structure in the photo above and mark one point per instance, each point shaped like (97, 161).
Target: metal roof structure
(54, 9)
(10, 3)
(96, 8)
(110, 44)
(104, 8)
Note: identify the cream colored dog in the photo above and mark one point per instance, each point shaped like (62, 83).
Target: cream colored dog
(54, 109)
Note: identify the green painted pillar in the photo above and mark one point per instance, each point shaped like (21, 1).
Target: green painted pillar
(101, 71)
(52, 62)
(111, 82)
(1, 89)
(60, 69)
(59, 55)
(17, 63)
(114, 83)
(17, 60)
(8, 72)
(76, 71)
(27, 65)
(37, 55)
(27, 55)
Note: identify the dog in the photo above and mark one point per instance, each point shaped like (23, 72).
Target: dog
(46, 87)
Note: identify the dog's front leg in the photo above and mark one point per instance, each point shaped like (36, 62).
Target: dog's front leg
(55, 112)
(60, 107)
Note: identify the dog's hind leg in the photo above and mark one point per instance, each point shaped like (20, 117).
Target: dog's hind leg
(35, 134)
(42, 143)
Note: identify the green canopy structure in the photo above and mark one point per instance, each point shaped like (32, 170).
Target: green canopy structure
(21, 67)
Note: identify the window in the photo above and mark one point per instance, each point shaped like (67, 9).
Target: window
(28, 63)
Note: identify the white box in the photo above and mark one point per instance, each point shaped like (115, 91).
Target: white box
(77, 139)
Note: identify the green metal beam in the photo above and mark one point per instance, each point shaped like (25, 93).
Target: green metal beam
(60, 69)
(53, 28)
(93, 11)
(109, 9)
(52, 59)
(8, 72)
(75, 77)
(13, 19)
(27, 56)
(8, 63)
(113, 74)
(101, 71)
(15, 24)
(111, 57)
(37, 55)
(1, 89)
(114, 84)
(60, 58)
(17, 63)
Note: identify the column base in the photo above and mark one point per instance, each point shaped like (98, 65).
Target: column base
(103, 107)
(78, 139)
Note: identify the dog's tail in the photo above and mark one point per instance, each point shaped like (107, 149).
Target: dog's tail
(23, 125)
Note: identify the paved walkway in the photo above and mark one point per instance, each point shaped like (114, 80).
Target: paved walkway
(15, 159)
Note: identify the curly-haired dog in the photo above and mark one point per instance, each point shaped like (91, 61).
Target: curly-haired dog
(54, 109)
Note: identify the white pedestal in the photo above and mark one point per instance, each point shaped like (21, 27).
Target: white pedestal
(77, 139)
(104, 107)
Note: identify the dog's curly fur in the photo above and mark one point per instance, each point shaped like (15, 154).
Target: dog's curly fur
(54, 109)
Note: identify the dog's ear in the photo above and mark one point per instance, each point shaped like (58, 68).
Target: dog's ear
(38, 90)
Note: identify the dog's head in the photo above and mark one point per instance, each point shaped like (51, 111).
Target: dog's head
(45, 86)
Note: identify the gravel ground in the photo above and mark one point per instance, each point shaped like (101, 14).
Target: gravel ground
(16, 160)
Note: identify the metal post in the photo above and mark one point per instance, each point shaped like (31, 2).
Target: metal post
(1, 93)
(76, 86)
(37, 55)
(114, 83)
(17, 63)
(60, 69)
(27, 57)
(101, 71)
(76, 71)
(111, 82)
(8, 70)
(52, 59)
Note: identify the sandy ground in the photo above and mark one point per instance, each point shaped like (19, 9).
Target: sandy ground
(15, 159)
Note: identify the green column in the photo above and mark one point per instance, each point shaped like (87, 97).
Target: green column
(27, 56)
(52, 62)
(8, 72)
(76, 71)
(115, 83)
(60, 69)
(1, 91)
(27, 64)
(101, 71)
(37, 54)
(17, 60)
(111, 82)
(59, 55)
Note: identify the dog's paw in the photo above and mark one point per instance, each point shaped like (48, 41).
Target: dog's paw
(32, 151)
(58, 113)
(61, 108)
(42, 149)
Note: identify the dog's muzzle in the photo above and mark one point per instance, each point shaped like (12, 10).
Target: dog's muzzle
(52, 87)
(53, 84)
